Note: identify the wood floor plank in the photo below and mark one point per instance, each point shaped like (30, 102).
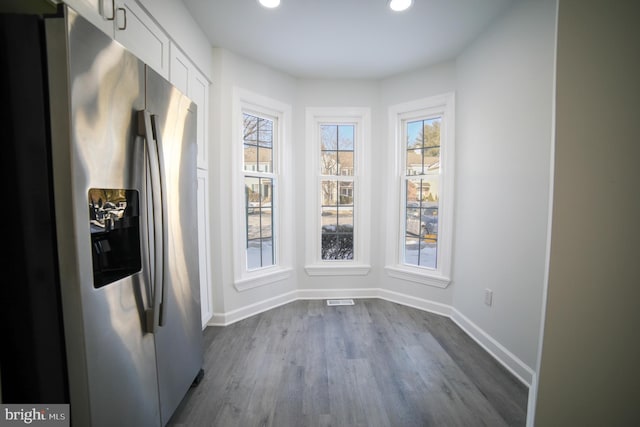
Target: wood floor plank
(505, 392)
(373, 364)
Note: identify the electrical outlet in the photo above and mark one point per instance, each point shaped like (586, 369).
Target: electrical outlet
(488, 297)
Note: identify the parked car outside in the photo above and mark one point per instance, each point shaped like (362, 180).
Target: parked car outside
(423, 222)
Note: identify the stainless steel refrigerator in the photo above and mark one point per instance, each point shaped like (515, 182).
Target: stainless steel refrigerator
(103, 183)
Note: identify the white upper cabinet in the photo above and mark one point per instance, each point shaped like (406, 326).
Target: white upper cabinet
(129, 24)
(180, 69)
(100, 13)
(199, 93)
(140, 34)
(185, 76)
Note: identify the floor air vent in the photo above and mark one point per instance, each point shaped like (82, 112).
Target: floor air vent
(340, 302)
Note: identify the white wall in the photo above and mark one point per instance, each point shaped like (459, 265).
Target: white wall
(504, 121)
(231, 71)
(325, 93)
(394, 90)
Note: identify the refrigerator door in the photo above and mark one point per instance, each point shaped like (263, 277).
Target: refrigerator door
(179, 348)
(99, 183)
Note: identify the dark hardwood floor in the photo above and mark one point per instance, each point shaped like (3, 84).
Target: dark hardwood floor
(372, 364)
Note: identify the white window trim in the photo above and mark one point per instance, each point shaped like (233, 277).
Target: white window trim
(244, 279)
(360, 264)
(394, 265)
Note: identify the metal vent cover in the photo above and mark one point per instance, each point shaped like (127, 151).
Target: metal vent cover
(340, 302)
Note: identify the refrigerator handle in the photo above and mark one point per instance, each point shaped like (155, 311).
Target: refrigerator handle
(155, 315)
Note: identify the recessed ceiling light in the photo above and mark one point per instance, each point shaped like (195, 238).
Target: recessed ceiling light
(400, 5)
(270, 3)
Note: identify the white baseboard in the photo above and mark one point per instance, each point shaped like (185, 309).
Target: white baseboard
(512, 363)
(415, 302)
(531, 404)
(225, 319)
(509, 360)
(307, 294)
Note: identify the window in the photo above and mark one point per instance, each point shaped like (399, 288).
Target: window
(421, 199)
(259, 180)
(261, 246)
(336, 163)
(421, 216)
(337, 193)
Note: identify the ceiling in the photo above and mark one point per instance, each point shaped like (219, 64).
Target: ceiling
(360, 39)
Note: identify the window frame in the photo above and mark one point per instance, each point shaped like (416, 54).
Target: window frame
(250, 103)
(259, 175)
(361, 118)
(399, 115)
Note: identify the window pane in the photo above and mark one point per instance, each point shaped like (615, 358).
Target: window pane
(265, 223)
(267, 252)
(252, 193)
(250, 157)
(345, 189)
(346, 134)
(258, 144)
(421, 221)
(345, 163)
(422, 161)
(328, 137)
(431, 132)
(337, 246)
(414, 192)
(265, 132)
(266, 191)
(413, 226)
(345, 217)
(414, 161)
(428, 249)
(265, 159)
(329, 194)
(337, 220)
(329, 163)
(421, 239)
(329, 219)
(414, 134)
(250, 128)
(422, 190)
(254, 254)
(420, 252)
(259, 253)
(431, 189)
(259, 219)
(253, 226)
(337, 196)
(429, 224)
(411, 250)
(337, 149)
(431, 160)
(423, 146)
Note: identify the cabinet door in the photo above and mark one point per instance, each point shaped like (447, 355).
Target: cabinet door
(180, 71)
(199, 93)
(135, 29)
(100, 13)
(204, 248)
(186, 77)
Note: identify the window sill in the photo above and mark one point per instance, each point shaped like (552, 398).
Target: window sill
(414, 275)
(263, 278)
(337, 270)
